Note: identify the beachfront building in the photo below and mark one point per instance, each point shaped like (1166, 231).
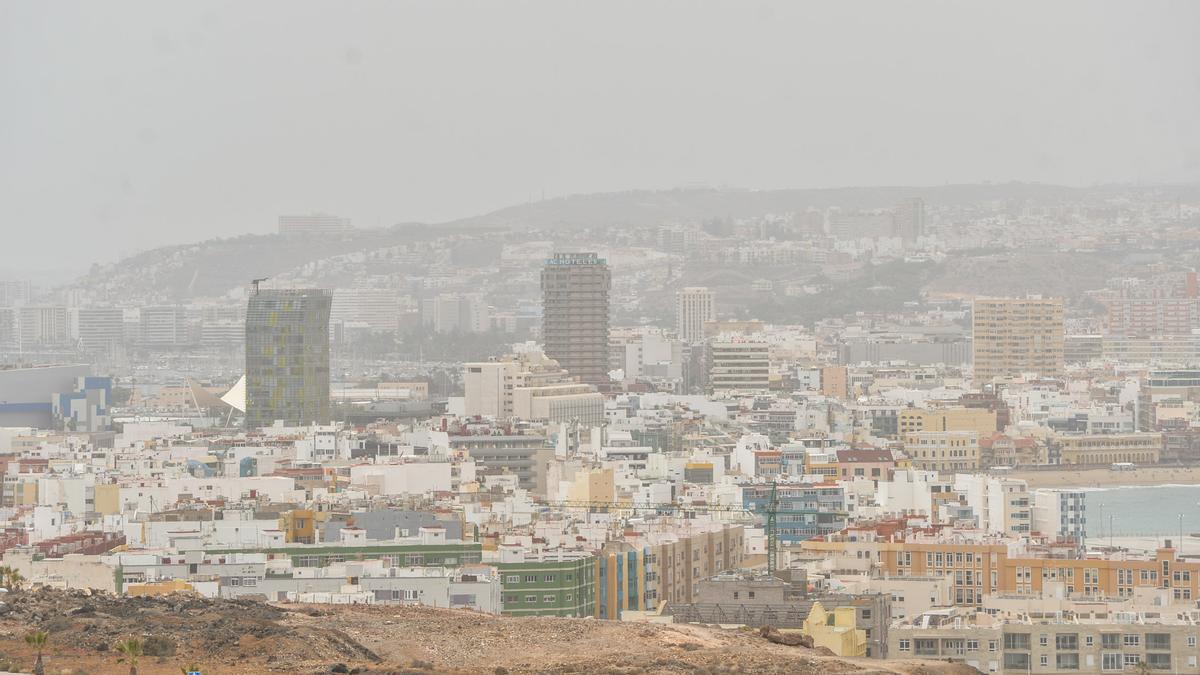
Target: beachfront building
(1108, 449)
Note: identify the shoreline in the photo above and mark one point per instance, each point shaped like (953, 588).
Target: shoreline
(1102, 477)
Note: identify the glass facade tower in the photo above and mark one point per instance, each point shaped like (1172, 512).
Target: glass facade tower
(287, 357)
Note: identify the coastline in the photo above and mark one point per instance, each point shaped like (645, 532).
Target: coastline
(1103, 477)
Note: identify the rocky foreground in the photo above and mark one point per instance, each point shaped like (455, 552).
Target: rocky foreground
(224, 636)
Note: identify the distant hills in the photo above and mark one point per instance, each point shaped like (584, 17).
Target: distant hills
(213, 267)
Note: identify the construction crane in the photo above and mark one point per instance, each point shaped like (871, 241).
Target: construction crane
(768, 512)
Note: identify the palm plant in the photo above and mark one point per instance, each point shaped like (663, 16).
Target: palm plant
(11, 578)
(37, 640)
(130, 650)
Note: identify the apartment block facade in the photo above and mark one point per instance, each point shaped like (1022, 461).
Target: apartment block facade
(1013, 336)
(575, 314)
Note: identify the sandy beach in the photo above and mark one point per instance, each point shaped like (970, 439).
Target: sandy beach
(1104, 477)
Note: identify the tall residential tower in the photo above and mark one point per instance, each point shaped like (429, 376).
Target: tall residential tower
(1017, 335)
(287, 357)
(575, 314)
(693, 307)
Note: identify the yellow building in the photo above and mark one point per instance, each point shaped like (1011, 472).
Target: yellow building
(299, 526)
(596, 485)
(1012, 336)
(837, 631)
(942, 450)
(979, 420)
(1106, 449)
(976, 568)
(156, 588)
(108, 499)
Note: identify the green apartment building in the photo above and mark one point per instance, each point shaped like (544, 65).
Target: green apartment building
(548, 585)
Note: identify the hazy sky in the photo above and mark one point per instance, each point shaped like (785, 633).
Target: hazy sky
(125, 125)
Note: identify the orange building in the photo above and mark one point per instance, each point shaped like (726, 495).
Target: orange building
(980, 564)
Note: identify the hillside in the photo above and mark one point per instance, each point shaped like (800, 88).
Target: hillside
(246, 637)
(214, 267)
(651, 207)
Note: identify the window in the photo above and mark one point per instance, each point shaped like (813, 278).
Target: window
(1043, 639)
(750, 594)
(549, 598)
(972, 645)
(926, 647)
(1066, 641)
(1132, 659)
(549, 577)
(1159, 661)
(1110, 640)
(1089, 640)
(1016, 641)
(1044, 659)
(531, 599)
(1111, 661)
(993, 645)
(1191, 641)
(1132, 640)
(1067, 661)
(1158, 641)
(1016, 660)
(905, 645)
(514, 579)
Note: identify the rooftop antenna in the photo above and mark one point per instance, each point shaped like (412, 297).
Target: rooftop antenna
(255, 282)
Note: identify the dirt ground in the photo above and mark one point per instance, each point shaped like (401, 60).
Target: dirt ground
(249, 637)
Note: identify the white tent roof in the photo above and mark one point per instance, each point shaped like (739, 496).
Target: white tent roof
(236, 396)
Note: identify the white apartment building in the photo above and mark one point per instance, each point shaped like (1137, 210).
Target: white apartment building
(1060, 512)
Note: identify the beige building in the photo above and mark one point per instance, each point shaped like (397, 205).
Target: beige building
(835, 382)
(739, 365)
(1107, 449)
(529, 386)
(943, 450)
(980, 420)
(1013, 336)
(1053, 643)
(694, 307)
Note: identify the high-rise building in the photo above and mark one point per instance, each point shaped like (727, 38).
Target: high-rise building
(99, 330)
(739, 365)
(1167, 304)
(456, 313)
(164, 326)
(1013, 336)
(575, 314)
(378, 308)
(287, 357)
(42, 326)
(908, 219)
(316, 223)
(693, 307)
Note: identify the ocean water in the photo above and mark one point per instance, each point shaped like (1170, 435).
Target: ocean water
(1142, 510)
